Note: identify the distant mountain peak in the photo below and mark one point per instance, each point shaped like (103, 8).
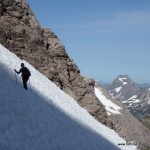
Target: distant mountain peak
(123, 76)
(135, 96)
(123, 88)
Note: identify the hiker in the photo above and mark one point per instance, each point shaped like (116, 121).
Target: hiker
(25, 74)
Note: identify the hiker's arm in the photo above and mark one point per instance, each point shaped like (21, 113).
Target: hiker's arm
(17, 71)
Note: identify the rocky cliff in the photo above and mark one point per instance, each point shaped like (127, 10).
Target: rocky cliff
(22, 34)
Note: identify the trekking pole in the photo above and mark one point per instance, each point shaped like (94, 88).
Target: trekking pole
(16, 77)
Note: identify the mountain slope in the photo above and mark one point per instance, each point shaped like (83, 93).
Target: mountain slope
(127, 125)
(45, 118)
(139, 105)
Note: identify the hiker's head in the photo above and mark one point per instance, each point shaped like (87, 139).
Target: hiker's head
(22, 65)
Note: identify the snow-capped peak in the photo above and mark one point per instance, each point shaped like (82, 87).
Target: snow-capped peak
(123, 88)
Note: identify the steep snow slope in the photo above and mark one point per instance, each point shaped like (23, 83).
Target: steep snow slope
(45, 118)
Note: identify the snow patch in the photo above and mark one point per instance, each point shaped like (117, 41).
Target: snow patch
(124, 83)
(122, 80)
(133, 97)
(118, 89)
(110, 106)
(132, 100)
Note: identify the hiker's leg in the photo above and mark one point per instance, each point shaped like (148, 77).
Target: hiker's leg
(25, 79)
(25, 84)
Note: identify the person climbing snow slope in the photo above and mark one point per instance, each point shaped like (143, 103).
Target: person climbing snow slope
(25, 74)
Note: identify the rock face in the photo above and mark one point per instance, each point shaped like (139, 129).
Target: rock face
(21, 33)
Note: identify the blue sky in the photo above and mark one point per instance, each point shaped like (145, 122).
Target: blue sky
(105, 38)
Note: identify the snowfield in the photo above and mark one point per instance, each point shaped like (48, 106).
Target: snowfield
(122, 80)
(118, 89)
(44, 117)
(109, 106)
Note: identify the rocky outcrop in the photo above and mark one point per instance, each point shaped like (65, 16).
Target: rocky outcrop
(21, 33)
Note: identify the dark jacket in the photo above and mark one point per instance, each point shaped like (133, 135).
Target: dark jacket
(25, 72)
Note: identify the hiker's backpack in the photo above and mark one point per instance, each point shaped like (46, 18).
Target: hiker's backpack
(27, 71)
